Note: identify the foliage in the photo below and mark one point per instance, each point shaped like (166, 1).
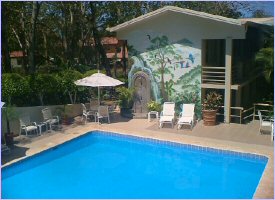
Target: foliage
(62, 29)
(212, 101)
(9, 114)
(125, 96)
(187, 96)
(66, 80)
(265, 58)
(93, 71)
(13, 85)
(44, 84)
(154, 106)
(63, 111)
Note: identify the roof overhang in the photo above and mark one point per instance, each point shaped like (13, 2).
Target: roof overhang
(176, 10)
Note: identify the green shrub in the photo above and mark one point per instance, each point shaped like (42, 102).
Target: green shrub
(154, 106)
(125, 97)
(13, 85)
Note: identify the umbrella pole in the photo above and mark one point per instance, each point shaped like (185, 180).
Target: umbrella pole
(98, 91)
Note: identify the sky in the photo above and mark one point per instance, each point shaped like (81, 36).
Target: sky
(267, 6)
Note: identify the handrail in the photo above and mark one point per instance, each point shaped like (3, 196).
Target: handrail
(240, 116)
(260, 105)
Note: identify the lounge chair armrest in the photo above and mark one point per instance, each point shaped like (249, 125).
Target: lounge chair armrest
(56, 117)
(34, 123)
(23, 126)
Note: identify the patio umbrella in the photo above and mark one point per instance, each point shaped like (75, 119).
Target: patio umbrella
(2, 103)
(98, 80)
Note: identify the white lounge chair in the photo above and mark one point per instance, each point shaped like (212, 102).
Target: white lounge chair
(263, 122)
(167, 114)
(187, 115)
(103, 112)
(86, 113)
(49, 119)
(26, 125)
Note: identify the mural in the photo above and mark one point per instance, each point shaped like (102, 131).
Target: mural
(174, 70)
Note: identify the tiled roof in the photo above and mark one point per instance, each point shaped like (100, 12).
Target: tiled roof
(16, 54)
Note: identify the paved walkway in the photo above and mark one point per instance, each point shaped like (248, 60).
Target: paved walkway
(241, 138)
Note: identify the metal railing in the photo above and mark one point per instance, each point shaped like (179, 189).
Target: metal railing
(250, 114)
(266, 109)
(236, 113)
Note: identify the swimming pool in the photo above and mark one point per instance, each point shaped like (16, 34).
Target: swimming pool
(109, 165)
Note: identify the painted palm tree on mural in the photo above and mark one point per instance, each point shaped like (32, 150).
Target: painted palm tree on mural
(161, 53)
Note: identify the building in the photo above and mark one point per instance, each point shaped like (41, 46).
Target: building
(179, 54)
(116, 50)
(16, 58)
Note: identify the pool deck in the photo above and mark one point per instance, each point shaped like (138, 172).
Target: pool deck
(235, 137)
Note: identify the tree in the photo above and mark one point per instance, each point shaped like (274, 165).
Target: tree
(5, 43)
(259, 14)
(265, 57)
(44, 84)
(34, 17)
(66, 80)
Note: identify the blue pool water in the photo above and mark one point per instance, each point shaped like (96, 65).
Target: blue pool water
(108, 165)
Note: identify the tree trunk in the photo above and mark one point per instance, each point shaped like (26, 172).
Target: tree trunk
(99, 47)
(75, 94)
(71, 97)
(41, 99)
(124, 58)
(24, 42)
(35, 11)
(5, 44)
(46, 47)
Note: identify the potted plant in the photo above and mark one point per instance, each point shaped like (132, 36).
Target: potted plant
(9, 114)
(210, 107)
(125, 101)
(154, 106)
(63, 112)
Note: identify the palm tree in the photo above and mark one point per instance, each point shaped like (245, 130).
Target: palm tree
(265, 57)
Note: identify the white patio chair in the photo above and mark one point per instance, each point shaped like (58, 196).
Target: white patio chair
(5, 148)
(187, 116)
(26, 125)
(167, 114)
(49, 119)
(86, 113)
(103, 112)
(263, 122)
(93, 105)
